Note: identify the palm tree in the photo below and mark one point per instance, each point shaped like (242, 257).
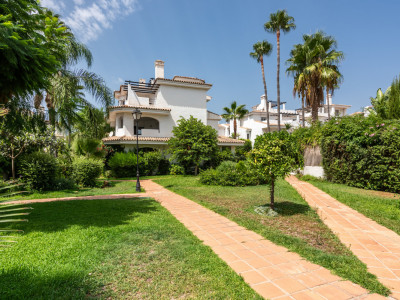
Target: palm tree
(315, 64)
(234, 113)
(65, 95)
(277, 22)
(262, 49)
(297, 65)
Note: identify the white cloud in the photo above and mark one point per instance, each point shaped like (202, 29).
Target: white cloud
(89, 21)
(56, 5)
(79, 2)
(88, 18)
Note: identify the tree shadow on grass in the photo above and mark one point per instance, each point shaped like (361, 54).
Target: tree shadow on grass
(60, 215)
(24, 283)
(287, 208)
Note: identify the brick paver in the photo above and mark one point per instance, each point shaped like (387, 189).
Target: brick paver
(377, 246)
(271, 270)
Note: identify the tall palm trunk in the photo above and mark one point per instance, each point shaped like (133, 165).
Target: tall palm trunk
(265, 92)
(327, 102)
(234, 128)
(278, 88)
(302, 111)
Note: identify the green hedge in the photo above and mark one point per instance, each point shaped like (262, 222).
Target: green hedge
(123, 164)
(362, 152)
(39, 171)
(230, 173)
(87, 170)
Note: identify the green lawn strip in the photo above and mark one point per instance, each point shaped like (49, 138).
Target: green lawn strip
(122, 187)
(113, 249)
(297, 227)
(385, 210)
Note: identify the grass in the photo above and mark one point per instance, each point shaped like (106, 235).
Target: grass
(382, 207)
(122, 187)
(113, 249)
(297, 227)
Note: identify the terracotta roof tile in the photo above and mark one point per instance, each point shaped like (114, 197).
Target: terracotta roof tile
(182, 81)
(221, 139)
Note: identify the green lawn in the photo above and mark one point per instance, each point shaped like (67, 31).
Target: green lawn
(384, 208)
(297, 227)
(123, 187)
(113, 249)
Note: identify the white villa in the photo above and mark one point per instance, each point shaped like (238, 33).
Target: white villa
(255, 122)
(162, 102)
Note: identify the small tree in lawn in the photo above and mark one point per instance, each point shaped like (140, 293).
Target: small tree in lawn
(192, 143)
(275, 155)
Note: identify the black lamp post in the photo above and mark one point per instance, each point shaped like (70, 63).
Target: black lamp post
(137, 114)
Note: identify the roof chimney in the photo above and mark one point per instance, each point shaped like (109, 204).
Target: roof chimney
(159, 69)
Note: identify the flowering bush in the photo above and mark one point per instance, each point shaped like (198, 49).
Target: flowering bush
(362, 152)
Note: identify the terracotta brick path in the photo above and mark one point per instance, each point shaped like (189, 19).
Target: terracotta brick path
(375, 245)
(271, 270)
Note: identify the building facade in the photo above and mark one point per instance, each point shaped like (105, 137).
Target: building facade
(162, 102)
(255, 122)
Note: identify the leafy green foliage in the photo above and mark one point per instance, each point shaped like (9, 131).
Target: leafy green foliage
(387, 105)
(39, 171)
(230, 173)
(242, 151)
(362, 152)
(192, 143)
(274, 156)
(308, 136)
(123, 164)
(176, 170)
(87, 170)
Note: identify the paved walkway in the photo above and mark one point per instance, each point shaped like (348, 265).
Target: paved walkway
(375, 245)
(269, 269)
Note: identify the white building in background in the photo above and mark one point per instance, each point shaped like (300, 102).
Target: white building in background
(162, 102)
(255, 122)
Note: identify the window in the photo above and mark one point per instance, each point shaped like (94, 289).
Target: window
(121, 122)
(248, 136)
(263, 119)
(337, 113)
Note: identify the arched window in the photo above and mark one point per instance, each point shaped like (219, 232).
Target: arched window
(149, 123)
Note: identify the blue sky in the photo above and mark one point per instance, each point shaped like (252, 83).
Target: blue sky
(212, 39)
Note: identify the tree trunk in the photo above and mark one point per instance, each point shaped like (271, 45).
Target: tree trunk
(327, 102)
(234, 128)
(278, 87)
(13, 163)
(196, 168)
(265, 92)
(272, 195)
(302, 111)
(314, 108)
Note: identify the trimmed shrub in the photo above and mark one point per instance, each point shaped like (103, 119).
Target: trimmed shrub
(64, 184)
(39, 171)
(362, 152)
(123, 164)
(65, 164)
(176, 170)
(87, 170)
(230, 173)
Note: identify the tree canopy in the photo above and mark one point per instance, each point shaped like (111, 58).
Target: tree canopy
(275, 155)
(193, 142)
